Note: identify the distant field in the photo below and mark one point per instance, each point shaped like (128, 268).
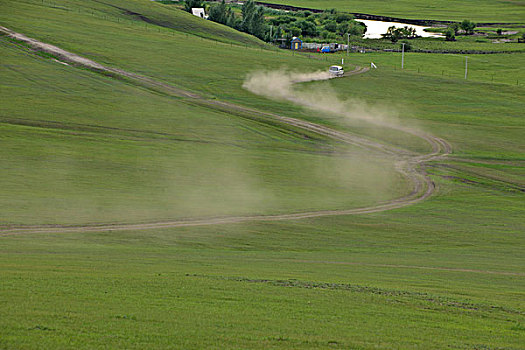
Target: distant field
(80, 147)
(504, 11)
(463, 45)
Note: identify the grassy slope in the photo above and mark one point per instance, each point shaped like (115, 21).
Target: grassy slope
(131, 289)
(504, 11)
(480, 118)
(102, 151)
(185, 60)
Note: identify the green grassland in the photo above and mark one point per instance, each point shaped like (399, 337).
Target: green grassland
(504, 11)
(492, 69)
(122, 165)
(464, 44)
(79, 147)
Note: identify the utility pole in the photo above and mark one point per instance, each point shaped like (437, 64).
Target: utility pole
(403, 55)
(466, 66)
(347, 43)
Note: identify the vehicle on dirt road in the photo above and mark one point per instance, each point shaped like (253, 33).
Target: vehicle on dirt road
(336, 71)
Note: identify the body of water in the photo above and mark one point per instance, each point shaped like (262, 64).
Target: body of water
(374, 29)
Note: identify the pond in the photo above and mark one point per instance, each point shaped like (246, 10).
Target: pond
(374, 29)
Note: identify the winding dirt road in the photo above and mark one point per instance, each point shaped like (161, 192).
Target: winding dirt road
(407, 163)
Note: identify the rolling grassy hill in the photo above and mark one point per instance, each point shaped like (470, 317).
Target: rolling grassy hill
(133, 13)
(80, 147)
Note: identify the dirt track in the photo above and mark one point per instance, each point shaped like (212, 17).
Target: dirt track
(408, 164)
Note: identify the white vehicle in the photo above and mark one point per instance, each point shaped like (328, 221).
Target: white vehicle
(337, 71)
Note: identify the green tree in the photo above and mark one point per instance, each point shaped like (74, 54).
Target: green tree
(331, 36)
(218, 13)
(248, 11)
(450, 34)
(295, 31)
(363, 25)
(343, 28)
(468, 27)
(253, 19)
(391, 33)
(310, 19)
(343, 17)
(394, 34)
(324, 33)
(277, 21)
(258, 27)
(189, 4)
(307, 28)
(357, 28)
(331, 26)
(453, 27)
(232, 20)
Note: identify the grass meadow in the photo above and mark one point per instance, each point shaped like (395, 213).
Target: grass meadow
(88, 149)
(478, 11)
(462, 45)
(78, 147)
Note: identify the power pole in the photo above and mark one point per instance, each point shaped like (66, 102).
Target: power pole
(403, 55)
(347, 43)
(466, 67)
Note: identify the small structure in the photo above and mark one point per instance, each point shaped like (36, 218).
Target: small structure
(297, 44)
(329, 47)
(312, 46)
(199, 12)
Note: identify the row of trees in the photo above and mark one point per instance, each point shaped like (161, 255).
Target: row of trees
(253, 19)
(394, 34)
(251, 22)
(222, 14)
(328, 25)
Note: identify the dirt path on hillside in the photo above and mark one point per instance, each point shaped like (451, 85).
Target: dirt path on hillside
(407, 163)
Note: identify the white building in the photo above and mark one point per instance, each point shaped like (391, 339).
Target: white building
(199, 12)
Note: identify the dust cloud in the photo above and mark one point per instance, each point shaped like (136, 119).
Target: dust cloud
(371, 177)
(279, 85)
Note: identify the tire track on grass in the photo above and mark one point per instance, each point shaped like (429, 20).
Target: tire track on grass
(408, 164)
(397, 266)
